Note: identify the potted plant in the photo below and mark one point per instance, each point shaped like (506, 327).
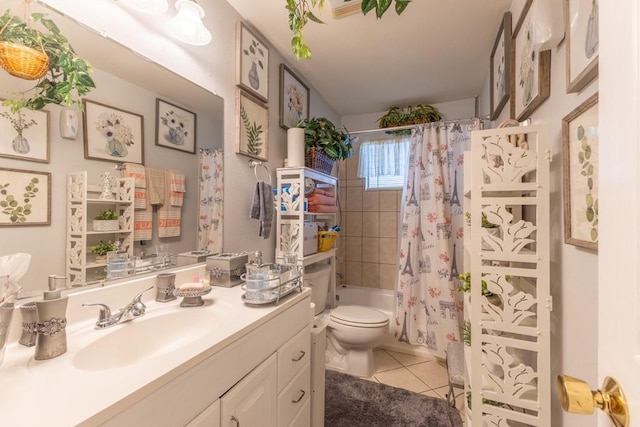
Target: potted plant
(324, 144)
(102, 249)
(106, 220)
(62, 76)
(404, 116)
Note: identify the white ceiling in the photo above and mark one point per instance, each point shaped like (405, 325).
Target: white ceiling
(436, 51)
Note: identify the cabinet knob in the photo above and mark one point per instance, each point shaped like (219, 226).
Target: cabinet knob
(299, 358)
(302, 393)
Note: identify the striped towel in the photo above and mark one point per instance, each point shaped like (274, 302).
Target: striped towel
(155, 186)
(169, 217)
(137, 172)
(178, 188)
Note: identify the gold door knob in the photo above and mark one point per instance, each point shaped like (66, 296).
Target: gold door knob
(576, 397)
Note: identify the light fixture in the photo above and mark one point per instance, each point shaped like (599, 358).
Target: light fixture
(187, 25)
(151, 7)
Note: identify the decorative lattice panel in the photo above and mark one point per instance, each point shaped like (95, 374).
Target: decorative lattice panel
(508, 257)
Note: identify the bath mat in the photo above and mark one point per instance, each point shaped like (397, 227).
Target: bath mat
(354, 402)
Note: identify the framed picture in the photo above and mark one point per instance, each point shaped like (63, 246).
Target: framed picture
(294, 98)
(530, 69)
(500, 67)
(25, 197)
(175, 127)
(25, 134)
(252, 127)
(112, 134)
(580, 174)
(581, 31)
(252, 63)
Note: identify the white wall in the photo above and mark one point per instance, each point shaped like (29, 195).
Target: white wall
(574, 271)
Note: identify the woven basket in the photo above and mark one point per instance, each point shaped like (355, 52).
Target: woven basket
(318, 160)
(22, 61)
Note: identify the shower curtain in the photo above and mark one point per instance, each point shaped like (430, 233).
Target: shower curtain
(210, 208)
(428, 306)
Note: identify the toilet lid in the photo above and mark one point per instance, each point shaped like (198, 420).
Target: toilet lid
(357, 315)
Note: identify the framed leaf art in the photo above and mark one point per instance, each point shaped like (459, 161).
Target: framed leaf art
(252, 127)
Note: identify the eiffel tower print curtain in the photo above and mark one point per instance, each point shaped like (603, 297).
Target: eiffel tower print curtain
(428, 306)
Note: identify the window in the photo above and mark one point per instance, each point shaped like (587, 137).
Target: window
(383, 163)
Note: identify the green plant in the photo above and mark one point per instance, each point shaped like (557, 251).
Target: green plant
(486, 223)
(254, 130)
(404, 116)
(465, 286)
(107, 214)
(322, 134)
(68, 76)
(466, 333)
(103, 248)
(301, 12)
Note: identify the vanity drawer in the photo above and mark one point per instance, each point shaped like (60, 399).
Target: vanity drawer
(292, 357)
(295, 396)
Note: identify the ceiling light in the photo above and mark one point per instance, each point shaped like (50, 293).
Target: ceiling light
(151, 7)
(187, 26)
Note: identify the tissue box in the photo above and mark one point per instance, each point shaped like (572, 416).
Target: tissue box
(193, 257)
(225, 269)
(310, 238)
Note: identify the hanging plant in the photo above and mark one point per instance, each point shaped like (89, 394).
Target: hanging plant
(301, 12)
(63, 76)
(404, 116)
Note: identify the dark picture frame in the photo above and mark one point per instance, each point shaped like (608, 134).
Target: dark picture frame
(252, 69)
(175, 127)
(294, 98)
(500, 65)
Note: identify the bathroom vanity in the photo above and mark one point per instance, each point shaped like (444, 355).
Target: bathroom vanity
(222, 364)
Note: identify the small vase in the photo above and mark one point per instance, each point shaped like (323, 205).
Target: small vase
(20, 144)
(254, 79)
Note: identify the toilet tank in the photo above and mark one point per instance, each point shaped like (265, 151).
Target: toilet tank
(317, 276)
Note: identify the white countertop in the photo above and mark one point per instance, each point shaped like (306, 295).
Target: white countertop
(71, 389)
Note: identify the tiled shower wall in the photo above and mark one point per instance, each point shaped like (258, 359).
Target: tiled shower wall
(367, 246)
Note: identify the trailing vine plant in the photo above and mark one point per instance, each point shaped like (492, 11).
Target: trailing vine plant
(254, 130)
(301, 12)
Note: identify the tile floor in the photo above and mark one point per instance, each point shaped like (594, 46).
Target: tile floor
(422, 375)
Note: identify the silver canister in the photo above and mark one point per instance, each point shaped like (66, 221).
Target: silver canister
(29, 322)
(6, 313)
(165, 285)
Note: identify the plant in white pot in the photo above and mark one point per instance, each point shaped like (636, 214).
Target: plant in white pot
(106, 220)
(102, 249)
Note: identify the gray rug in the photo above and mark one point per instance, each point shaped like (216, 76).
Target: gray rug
(354, 402)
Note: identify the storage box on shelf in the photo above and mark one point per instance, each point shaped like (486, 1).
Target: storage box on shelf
(83, 204)
(297, 219)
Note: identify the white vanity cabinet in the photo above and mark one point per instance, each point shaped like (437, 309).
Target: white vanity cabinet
(83, 204)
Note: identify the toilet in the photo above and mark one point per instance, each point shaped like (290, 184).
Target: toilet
(352, 330)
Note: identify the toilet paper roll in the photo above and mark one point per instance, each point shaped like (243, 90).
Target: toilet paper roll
(295, 147)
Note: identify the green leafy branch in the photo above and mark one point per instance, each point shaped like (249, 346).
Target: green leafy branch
(10, 206)
(254, 144)
(584, 158)
(301, 12)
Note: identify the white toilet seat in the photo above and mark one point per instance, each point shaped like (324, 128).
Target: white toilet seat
(358, 316)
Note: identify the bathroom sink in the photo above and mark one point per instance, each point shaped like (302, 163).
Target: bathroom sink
(147, 337)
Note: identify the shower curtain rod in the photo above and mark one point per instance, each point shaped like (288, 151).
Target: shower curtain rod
(358, 132)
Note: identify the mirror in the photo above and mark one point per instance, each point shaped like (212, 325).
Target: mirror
(128, 82)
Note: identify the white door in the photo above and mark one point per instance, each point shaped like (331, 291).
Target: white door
(619, 193)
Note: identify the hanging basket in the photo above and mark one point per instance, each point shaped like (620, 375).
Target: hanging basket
(318, 160)
(22, 61)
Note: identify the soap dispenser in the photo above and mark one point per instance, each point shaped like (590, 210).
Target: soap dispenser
(52, 321)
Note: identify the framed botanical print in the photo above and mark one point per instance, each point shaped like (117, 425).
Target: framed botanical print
(581, 32)
(294, 98)
(252, 127)
(530, 71)
(112, 134)
(25, 134)
(500, 66)
(175, 127)
(25, 197)
(580, 174)
(252, 63)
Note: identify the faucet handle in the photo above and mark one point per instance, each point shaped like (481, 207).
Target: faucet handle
(137, 298)
(137, 307)
(105, 311)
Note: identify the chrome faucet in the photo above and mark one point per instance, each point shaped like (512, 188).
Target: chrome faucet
(135, 308)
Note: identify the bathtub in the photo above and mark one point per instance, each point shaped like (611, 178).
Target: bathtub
(381, 299)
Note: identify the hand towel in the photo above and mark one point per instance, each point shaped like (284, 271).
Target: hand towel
(155, 186)
(138, 173)
(169, 217)
(178, 188)
(262, 208)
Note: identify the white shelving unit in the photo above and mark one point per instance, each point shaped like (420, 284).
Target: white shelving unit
(507, 366)
(291, 215)
(83, 204)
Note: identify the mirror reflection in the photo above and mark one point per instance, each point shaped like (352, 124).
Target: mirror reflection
(126, 84)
